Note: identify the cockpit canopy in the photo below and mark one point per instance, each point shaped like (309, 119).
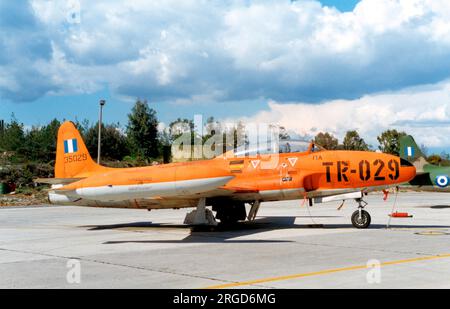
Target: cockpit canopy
(283, 146)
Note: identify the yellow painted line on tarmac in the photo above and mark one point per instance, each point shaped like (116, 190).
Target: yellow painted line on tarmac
(324, 272)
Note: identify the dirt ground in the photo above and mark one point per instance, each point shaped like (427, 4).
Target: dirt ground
(20, 199)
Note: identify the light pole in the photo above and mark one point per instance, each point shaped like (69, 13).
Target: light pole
(102, 103)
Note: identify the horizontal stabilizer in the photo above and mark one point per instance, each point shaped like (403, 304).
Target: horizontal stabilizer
(56, 181)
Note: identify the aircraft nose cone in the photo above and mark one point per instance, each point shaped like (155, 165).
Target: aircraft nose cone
(407, 171)
(398, 170)
(410, 172)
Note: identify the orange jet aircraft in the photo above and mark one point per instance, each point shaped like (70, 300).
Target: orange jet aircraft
(293, 170)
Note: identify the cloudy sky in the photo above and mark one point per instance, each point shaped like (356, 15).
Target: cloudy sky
(309, 65)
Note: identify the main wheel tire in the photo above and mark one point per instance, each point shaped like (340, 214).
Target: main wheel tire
(228, 220)
(363, 222)
(230, 214)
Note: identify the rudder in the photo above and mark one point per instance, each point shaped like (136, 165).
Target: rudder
(409, 149)
(72, 156)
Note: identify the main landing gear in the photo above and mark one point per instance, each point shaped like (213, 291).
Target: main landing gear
(230, 212)
(361, 218)
(201, 215)
(227, 212)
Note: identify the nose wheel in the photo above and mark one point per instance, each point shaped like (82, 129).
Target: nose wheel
(361, 218)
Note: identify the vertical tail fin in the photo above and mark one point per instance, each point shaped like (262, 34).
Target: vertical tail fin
(72, 157)
(409, 149)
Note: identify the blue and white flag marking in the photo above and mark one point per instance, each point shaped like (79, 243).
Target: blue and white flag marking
(70, 145)
(409, 151)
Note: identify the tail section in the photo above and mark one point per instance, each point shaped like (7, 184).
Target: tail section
(411, 152)
(409, 149)
(72, 157)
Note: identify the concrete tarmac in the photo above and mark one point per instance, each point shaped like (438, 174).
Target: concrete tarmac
(282, 248)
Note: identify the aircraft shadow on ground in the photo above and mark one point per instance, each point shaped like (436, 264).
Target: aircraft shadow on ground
(207, 234)
(440, 207)
(225, 234)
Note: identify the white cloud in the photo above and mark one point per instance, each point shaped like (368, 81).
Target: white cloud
(179, 50)
(202, 51)
(422, 111)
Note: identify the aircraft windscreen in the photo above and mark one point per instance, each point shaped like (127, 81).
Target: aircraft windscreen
(253, 150)
(284, 146)
(298, 146)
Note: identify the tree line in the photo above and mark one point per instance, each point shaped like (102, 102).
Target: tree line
(388, 143)
(140, 140)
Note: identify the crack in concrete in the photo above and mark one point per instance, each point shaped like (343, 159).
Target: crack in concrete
(123, 265)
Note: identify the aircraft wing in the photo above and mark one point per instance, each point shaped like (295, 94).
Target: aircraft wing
(421, 179)
(156, 195)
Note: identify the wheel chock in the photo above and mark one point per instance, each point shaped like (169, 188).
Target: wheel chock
(400, 215)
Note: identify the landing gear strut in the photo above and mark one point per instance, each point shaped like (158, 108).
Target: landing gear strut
(361, 218)
(253, 210)
(201, 215)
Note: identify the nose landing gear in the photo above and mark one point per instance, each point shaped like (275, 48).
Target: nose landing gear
(361, 218)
